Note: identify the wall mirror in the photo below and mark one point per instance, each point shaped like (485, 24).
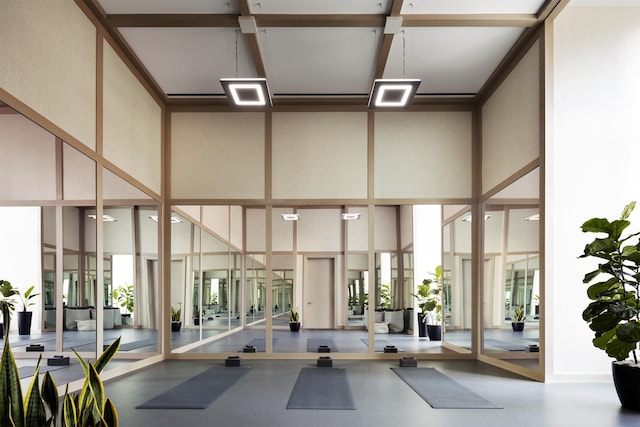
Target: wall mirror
(511, 295)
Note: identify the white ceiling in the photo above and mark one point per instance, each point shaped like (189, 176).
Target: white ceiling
(320, 48)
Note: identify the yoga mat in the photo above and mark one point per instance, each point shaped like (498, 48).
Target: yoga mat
(503, 345)
(137, 344)
(28, 371)
(380, 345)
(197, 392)
(440, 391)
(314, 343)
(260, 343)
(321, 388)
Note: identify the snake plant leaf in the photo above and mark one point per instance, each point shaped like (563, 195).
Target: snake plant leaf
(107, 355)
(97, 389)
(35, 415)
(12, 409)
(50, 396)
(110, 414)
(69, 416)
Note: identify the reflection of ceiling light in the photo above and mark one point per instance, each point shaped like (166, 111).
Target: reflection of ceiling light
(396, 93)
(247, 92)
(174, 219)
(105, 218)
(290, 216)
(534, 217)
(350, 215)
(468, 218)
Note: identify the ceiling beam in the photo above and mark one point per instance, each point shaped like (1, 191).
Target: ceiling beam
(252, 41)
(473, 20)
(172, 20)
(387, 40)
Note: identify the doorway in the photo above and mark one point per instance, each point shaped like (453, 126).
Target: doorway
(318, 293)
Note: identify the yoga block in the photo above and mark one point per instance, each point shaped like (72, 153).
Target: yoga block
(58, 361)
(532, 348)
(324, 349)
(390, 349)
(35, 347)
(233, 361)
(249, 349)
(408, 362)
(324, 362)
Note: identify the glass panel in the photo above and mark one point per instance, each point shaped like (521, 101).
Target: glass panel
(512, 273)
(182, 268)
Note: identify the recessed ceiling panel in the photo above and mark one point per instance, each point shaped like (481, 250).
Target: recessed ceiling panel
(191, 60)
(449, 60)
(169, 6)
(321, 7)
(471, 6)
(324, 61)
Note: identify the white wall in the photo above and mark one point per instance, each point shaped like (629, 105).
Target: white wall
(592, 166)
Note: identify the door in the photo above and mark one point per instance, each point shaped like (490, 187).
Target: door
(319, 309)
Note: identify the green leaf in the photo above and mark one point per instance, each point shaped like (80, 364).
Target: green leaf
(617, 227)
(619, 349)
(590, 276)
(107, 355)
(629, 332)
(97, 389)
(604, 322)
(602, 341)
(110, 414)
(12, 409)
(69, 415)
(35, 414)
(50, 396)
(627, 210)
(596, 225)
(596, 290)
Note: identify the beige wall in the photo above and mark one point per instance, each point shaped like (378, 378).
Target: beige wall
(511, 123)
(48, 61)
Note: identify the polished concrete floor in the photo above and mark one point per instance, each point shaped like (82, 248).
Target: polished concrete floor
(381, 398)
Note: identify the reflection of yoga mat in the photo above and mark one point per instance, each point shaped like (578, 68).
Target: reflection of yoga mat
(380, 345)
(137, 344)
(260, 343)
(503, 345)
(321, 388)
(197, 392)
(440, 391)
(314, 343)
(28, 371)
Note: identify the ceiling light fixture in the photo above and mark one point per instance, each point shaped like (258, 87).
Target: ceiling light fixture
(247, 92)
(534, 217)
(174, 219)
(290, 216)
(350, 216)
(468, 218)
(393, 93)
(105, 218)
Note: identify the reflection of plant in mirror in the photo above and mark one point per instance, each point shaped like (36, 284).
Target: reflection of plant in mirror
(294, 316)
(385, 296)
(124, 295)
(429, 299)
(176, 313)
(214, 298)
(25, 299)
(518, 314)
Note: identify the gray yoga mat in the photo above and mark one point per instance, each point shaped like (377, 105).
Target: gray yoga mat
(29, 371)
(260, 344)
(314, 343)
(321, 388)
(440, 391)
(503, 345)
(380, 345)
(197, 392)
(137, 344)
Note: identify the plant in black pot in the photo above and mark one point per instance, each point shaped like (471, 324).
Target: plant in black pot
(176, 322)
(125, 297)
(614, 311)
(24, 315)
(7, 305)
(428, 297)
(294, 320)
(518, 319)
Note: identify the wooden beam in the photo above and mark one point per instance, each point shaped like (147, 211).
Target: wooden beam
(172, 20)
(473, 20)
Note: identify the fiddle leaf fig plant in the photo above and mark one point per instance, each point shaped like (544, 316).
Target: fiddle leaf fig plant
(428, 298)
(614, 311)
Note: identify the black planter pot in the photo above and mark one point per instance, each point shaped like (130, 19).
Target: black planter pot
(435, 332)
(175, 326)
(422, 325)
(24, 322)
(626, 378)
(517, 326)
(294, 326)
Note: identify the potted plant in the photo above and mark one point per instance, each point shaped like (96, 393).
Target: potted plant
(518, 319)
(196, 316)
(125, 297)
(7, 305)
(428, 302)
(614, 311)
(25, 316)
(176, 323)
(294, 320)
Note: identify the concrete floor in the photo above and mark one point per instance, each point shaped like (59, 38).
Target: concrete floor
(260, 398)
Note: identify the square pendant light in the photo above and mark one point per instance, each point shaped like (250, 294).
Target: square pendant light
(349, 216)
(290, 216)
(393, 93)
(247, 92)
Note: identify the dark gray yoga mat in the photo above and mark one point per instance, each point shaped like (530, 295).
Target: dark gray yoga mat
(380, 345)
(197, 392)
(29, 371)
(128, 346)
(503, 345)
(440, 391)
(314, 343)
(321, 388)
